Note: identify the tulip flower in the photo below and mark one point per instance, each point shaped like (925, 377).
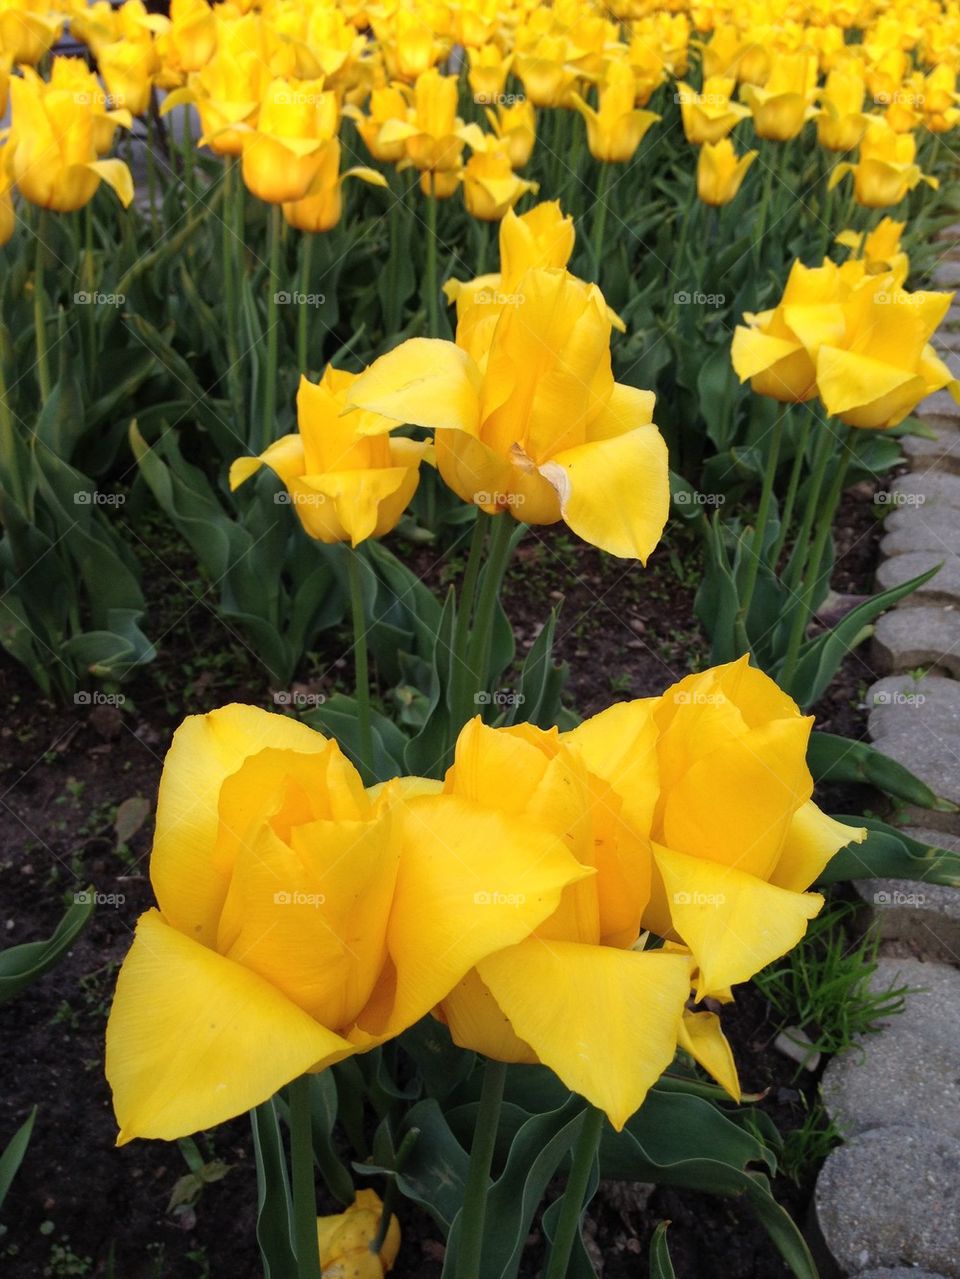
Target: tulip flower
(227, 93)
(408, 43)
(879, 368)
(616, 128)
(728, 53)
(736, 837)
(545, 73)
(433, 134)
(528, 418)
(28, 31)
(390, 102)
(648, 67)
(720, 171)
(940, 98)
(878, 250)
(710, 115)
(71, 75)
(345, 1239)
(283, 154)
(490, 186)
(886, 170)
(578, 996)
(301, 919)
(782, 106)
(192, 37)
(841, 122)
(516, 126)
(321, 209)
(777, 349)
(488, 73)
(346, 482)
(53, 156)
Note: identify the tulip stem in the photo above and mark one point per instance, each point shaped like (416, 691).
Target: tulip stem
(812, 574)
(822, 456)
(306, 258)
(478, 1174)
(600, 216)
(40, 307)
(763, 514)
(793, 484)
(462, 687)
(481, 638)
(268, 425)
(228, 266)
(304, 1185)
(360, 666)
(572, 1205)
(433, 310)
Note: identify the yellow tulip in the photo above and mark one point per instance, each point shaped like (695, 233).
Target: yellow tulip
(408, 43)
(345, 1240)
(777, 349)
(528, 418)
(720, 172)
(283, 155)
(488, 73)
(710, 115)
(616, 128)
(389, 102)
(128, 68)
(301, 919)
(345, 482)
(886, 171)
(73, 76)
(28, 30)
(841, 122)
(321, 209)
(227, 93)
(490, 186)
(576, 996)
(515, 124)
(5, 64)
(193, 33)
(432, 134)
(545, 73)
(878, 250)
(940, 98)
(646, 61)
(736, 836)
(53, 154)
(783, 105)
(728, 53)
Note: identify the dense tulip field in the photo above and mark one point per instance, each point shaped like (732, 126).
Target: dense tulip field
(317, 295)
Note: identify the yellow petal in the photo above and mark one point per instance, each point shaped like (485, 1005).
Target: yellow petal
(734, 923)
(425, 382)
(604, 1020)
(117, 176)
(194, 1039)
(846, 380)
(615, 492)
(620, 745)
(284, 457)
(812, 840)
(702, 1037)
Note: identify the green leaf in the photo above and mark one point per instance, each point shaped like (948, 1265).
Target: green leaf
(13, 1154)
(323, 1116)
(21, 965)
(661, 1267)
(274, 1200)
(888, 853)
(832, 758)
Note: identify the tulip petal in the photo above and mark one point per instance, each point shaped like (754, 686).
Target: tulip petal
(604, 1020)
(846, 380)
(734, 923)
(471, 881)
(117, 176)
(702, 1037)
(284, 457)
(752, 352)
(424, 382)
(812, 840)
(205, 750)
(187, 1034)
(620, 745)
(615, 492)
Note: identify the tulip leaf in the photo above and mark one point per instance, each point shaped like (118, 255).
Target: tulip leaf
(820, 658)
(14, 1152)
(541, 680)
(441, 1063)
(274, 1200)
(323, 1116)
(832, 758)
(888, 853)
(337, 717)
(21, 965)
(661, 1267)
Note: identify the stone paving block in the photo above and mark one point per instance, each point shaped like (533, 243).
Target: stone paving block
(915, 529)
(927, 636)
(898, 1272)
(925, 488)
(946, 274)
(940, 404)
(899, 703)
(934, 757)
(942, 453)
(947, 339)
(891, 1197)
(942, 588)
(951, 320)
(927, 916)
(908, 1072)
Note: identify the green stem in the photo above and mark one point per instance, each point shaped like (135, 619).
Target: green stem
(390, 1193)
(763, 514)
(793, 484)
(767, 192)
(228, 267)
(268, 426)
(360, 664)
(306, 259)
(169, 247)
(823, 454)
(812, 574)
(481, 637)
(571, 1208)
(462, 690)
(40, 308)
(304, 1186)
(433, 309)
(478, 1174)
(151, 168)
(600, 216)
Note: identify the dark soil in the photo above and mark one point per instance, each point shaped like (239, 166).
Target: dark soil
(79, 1206)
